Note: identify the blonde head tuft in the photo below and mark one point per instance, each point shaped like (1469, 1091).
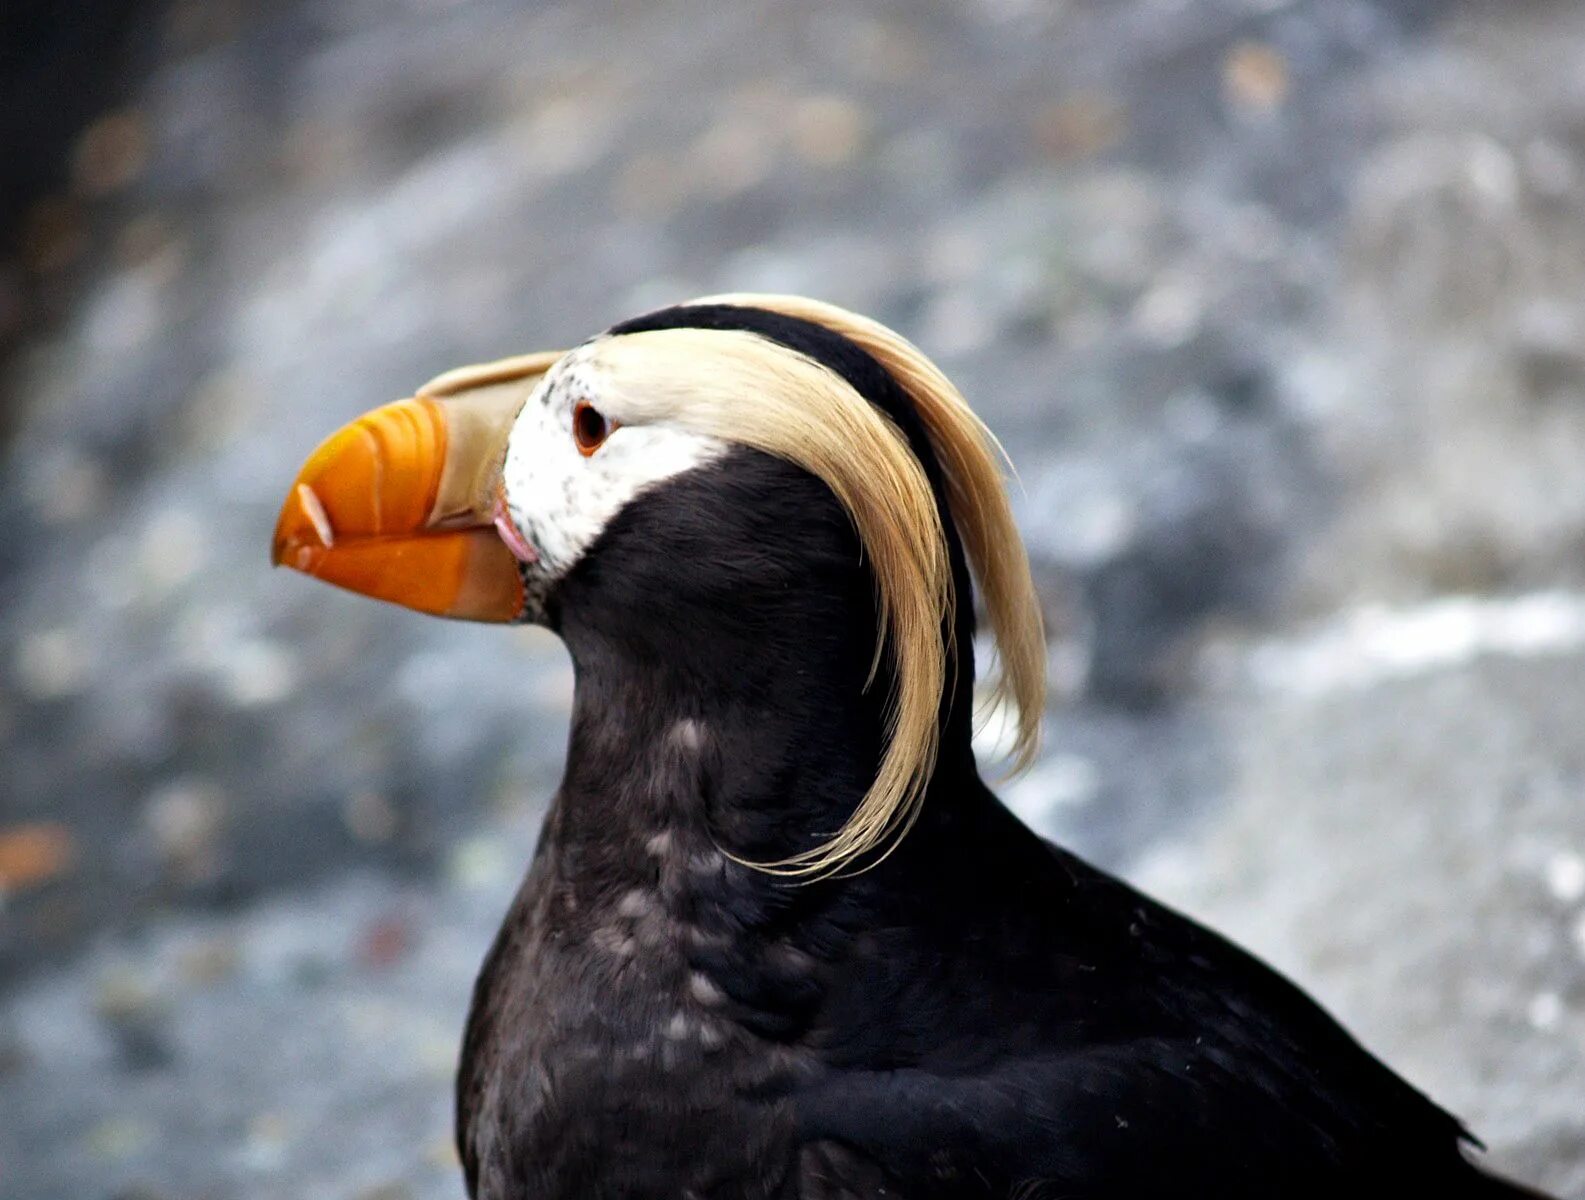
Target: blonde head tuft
(745, 388)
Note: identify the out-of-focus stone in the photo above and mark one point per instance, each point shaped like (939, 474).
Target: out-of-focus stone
(134, 1013)
(268, 1141)
(650, 184)
(478, 863)
(443, 1153)
(1545, 1011)
(1255, 77)
(52, 663)
(1550, 167)
(562, 134)
(185, 818)
(170, 550)
(370, 817)
(209, 961)
(65, 485)
(12, 306)
(111, 153)
(219, 410)
(13, 1057)
(118, 1137)
(956, 324)
(828, 131)
(1078, 126)
(1565, 876)
(1061, 781)
(385, 941)
(32, 855)
(732, 156)
(256, 672)
(122, 993)
(150, 242)
(54, 236)
(1549, 342)
(1171, 311)
(386, 1191)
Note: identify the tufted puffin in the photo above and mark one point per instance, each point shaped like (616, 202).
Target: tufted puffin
(778, 939)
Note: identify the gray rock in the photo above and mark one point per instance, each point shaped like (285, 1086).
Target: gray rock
(1273, 305)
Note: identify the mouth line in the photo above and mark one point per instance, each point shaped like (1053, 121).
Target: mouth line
(515, 541)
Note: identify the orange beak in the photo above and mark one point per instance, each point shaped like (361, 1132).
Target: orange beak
(403, 503)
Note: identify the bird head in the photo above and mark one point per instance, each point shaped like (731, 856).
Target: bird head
(492, 488)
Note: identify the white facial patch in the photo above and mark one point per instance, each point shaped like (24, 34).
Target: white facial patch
(561, 499)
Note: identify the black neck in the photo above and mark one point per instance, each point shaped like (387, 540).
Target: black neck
(722, 651)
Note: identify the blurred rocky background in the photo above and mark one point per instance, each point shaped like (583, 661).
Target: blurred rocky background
(1279, 306)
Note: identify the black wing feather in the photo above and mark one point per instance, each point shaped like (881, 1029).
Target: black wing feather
(1147, 1057)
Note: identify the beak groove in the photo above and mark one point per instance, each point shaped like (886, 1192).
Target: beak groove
(308, 501)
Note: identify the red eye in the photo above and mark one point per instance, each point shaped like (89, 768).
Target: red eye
(590, 428)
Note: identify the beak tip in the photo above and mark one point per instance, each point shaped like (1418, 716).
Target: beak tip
(302, 530)
(297, 554)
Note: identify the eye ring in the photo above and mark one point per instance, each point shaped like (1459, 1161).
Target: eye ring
(590, 428)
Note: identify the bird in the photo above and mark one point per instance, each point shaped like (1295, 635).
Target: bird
(778, 938)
